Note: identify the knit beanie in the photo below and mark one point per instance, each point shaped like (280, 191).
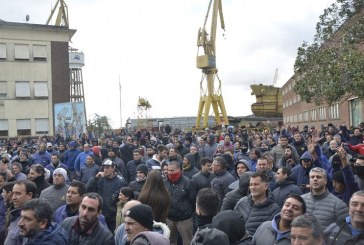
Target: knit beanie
(61, 171)
(339, 177)
(142, 214)
(142, 168)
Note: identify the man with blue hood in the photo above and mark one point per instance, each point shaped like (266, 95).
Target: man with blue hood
(310, 159)
(278, 231)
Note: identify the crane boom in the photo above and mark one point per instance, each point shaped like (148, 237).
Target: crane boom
(207, 62)
(62, 14)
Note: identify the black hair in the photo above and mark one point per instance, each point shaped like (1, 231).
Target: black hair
(42, 209)
(207, 201)
(81, 187)
(94, 195)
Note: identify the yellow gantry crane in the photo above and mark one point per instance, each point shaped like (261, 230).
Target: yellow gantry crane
(62, 17)
(209, 94)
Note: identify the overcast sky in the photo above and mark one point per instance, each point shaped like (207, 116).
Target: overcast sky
(151, 45)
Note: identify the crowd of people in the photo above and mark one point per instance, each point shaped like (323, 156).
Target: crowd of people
(229, 186)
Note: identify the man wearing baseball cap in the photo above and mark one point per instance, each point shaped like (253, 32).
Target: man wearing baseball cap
(107, 184)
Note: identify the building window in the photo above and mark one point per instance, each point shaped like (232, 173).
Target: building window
(4, 128)
(21, 52)
(300, 117)
(3, 89)
(41, 126)
(295, 118)
(22, 89)
(306, 116)
(23, 127)
(313, 115)
(334, 111)
(291, 118)
(39, 53)
(41, 89)
(322, 113)
(2, 51)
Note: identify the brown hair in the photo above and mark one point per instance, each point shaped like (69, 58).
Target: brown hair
(156, 195)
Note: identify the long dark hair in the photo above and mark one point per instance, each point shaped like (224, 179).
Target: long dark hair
(156, 195)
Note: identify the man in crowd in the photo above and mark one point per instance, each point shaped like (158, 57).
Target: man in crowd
(23, 191)
(42, 156)
(56, 193)
(207, 206)
(55, 163)
(203, 178)
(306, 230)
(35, 224)
(351, 229)
(278, 231)
(263, 167)
(299, 143)
(320, 202)
(258, 205)
(107, 184)
(85, 228)
(132, 165)
(120, 165)
(127, 150)
(81, 158)
(220, 184)
(183, 194)
(75, 193)
(278, 150)
(17, 171)
(37, 175)
(156, 161)
(138, 219)
(89, 170)
(70, 157)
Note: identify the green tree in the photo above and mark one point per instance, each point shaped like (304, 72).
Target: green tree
(99, 125)
(332, 66)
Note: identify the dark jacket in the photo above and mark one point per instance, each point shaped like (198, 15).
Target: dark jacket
(126, 152)
(131, 169)
(109, 191)
(63, 212)
(254, 214)
(87, 172)
(340, 233)
(284, 188)
(99, 236)
(202, 180)
(183, 195)
(70, 158)
(300, 146)
(351, 185)
(54, 235)
(232, 197)
(190, 170)
(220, 184)
(41, 184)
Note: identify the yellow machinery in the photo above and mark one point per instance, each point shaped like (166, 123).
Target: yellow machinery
(143, 121)
(62, 14)
(207, 62)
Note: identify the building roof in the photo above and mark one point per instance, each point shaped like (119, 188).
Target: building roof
(39, 27)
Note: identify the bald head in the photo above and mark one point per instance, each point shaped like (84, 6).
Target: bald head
(128, 205)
